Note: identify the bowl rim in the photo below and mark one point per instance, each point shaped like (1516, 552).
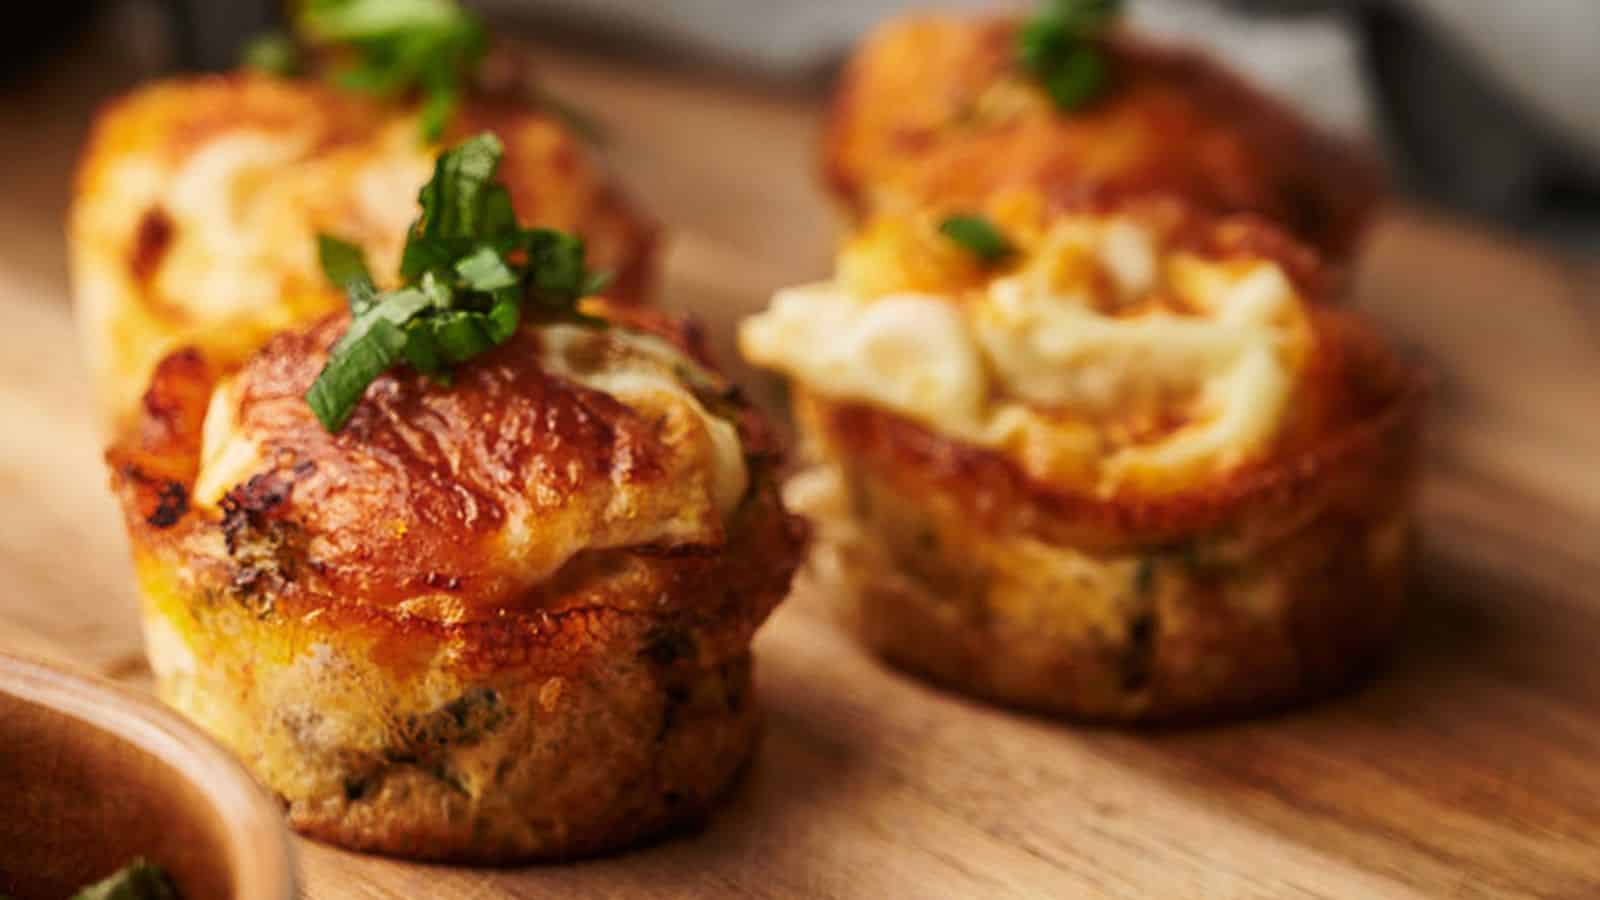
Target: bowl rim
(259, 850)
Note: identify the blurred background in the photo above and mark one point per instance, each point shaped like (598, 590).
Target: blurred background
(1483, 107)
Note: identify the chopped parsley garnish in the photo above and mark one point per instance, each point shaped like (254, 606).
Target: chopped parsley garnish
(1057, 47)
(468, 270)
(400, 46)
(140, 881)
(978, 236)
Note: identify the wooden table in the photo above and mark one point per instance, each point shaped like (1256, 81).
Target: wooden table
(1470, 768)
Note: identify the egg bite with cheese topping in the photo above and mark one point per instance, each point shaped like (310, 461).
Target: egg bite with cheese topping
(198, 201)
(1126, 469)
(502, 618)
(939, 110)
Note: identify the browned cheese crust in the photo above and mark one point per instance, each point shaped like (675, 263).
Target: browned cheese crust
(940, 539)
(1272, 579)
(198, 200)
(352, 619)
(934, 112)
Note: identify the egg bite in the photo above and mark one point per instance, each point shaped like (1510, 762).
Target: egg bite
(1133, 469)
(504, 618)
(198, 201)
(937, 111)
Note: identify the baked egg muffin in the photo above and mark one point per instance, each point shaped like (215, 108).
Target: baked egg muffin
(942, 111)
(504, 619)
(198, 201)
(471, 571)
(1116, 465)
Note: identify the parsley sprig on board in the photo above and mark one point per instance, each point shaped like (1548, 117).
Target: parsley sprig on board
(468, 269)
(1057, 47)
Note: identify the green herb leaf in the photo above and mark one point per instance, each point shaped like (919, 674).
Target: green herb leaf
(354, 20)
(356, 364)
(462, 200)
(1057, 47)
(461, 335)
(1084, 15)
(468, 267)
(272, 52)
(428, 46)
(345, 266)
(504, 317)
(140, 881)
(978, 236)
(1077, 79)
(559, 276)
(485, 270)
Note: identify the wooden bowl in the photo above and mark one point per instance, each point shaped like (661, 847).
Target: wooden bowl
(93, 775)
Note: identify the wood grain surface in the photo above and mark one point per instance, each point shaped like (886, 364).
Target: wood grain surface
(1470, 767)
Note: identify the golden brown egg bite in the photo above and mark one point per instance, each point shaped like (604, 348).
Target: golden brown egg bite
(935, 111)
(198, 201)
(498, 619)
(1131, 471)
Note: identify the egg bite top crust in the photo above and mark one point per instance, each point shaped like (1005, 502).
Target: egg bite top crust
(934, 111)
(1375, 430)
(1124, 378)
(575, 485)
(198, 202)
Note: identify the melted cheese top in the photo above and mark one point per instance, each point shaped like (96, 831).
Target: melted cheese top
(1100, 361)
(540, 533)
(247, 205)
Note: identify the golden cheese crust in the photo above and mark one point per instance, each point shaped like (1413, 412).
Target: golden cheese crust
(198, 201)
(933, 112)
(356, 618)
(1137, 470)
(1278, 583)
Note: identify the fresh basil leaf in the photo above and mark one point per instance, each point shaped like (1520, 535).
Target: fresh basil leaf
(440, 293)
(1057, 47)
(1077, 79)
(437, 108)
(429, 254)
(348, 20)
(344, 379)
(421, 350)
(978, 236)
(1041, 41)
(504, 317)
(429, 46)
(485, 270)
(461, 335)
(556, 260)
(1084, 15)
(396, 308)
(457, 201)
(468, 269)
(345, 267)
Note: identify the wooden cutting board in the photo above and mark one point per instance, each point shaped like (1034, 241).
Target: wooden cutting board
(1469, 768)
